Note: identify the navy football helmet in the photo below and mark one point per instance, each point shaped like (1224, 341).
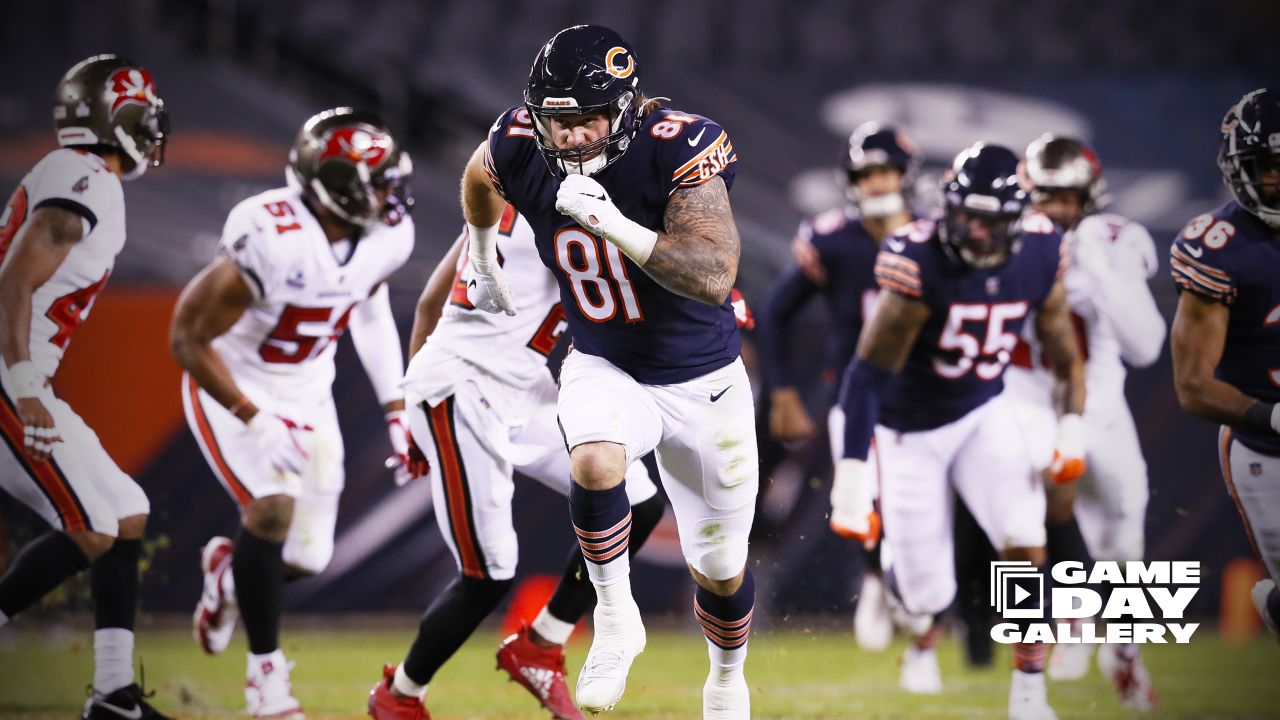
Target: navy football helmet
(872, 145)
(1250, 154)
(1056, 162)
(346, 161)
(984, 206)
(584, 69)
(110, 102)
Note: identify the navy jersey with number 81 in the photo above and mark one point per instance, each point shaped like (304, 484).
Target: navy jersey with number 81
(613, 308)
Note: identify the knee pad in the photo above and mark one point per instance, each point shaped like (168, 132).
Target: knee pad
(717, 556)
(310, 556)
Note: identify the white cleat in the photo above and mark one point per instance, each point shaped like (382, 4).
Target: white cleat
(872, 626)
(619, 638)
(268, 692)
(920, 674)
(1070, 661)
(1261, 590)
(214, 619)
(726, 699)
(1130, 676)
(1028, 697)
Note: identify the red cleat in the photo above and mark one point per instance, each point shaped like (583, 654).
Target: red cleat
(540, 670)
(386, 705)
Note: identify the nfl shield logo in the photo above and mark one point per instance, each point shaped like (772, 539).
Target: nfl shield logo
(993, 286)
(1255, 469)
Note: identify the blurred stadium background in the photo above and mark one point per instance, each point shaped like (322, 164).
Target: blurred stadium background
(1146, 82)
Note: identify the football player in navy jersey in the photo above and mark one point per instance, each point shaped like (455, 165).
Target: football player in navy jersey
(629, 206)
(1226, 332)
(878, 164)
(926, 383)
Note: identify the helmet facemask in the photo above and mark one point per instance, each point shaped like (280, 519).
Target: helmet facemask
(590, 158)
(981, 238)
(1254, 179)
(144, 147)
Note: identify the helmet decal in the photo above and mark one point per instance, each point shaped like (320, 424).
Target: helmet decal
(611, 67)
(356, 145)
(131, 86)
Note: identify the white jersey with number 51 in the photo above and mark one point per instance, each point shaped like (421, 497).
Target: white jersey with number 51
(285, 342)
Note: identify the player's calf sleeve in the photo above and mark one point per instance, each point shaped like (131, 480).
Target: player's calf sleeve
(726, 621)
(257, 567)
(114, 581)
(451, 619)
(1066, 543)
(602, 520)
(574, 595)
(41, 566)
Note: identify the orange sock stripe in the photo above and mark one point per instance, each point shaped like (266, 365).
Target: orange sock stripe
(603, 533)
(47, 475)
(209, 442)
(724, 624)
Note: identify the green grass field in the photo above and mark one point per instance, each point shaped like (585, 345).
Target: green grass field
(794, 673)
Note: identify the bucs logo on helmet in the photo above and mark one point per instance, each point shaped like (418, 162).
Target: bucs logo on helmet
(131, 86)
(610, 64)
(356, 145)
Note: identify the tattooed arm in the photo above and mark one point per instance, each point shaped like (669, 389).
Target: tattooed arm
(697, 254)
(1058, 338)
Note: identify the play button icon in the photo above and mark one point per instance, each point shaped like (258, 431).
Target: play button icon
(1019, 594)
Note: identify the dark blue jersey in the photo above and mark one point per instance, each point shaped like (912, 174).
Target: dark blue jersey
(847, 253)
(975, 318)
(613, 308)
(1232, 257)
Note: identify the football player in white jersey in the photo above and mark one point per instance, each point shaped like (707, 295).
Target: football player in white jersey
(256, 331)
(1117, 324)
(483, 402)
(59, 237)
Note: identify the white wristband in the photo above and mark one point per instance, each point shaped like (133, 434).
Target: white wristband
(1071, 435)
(483, 242)
(1275, 417)
(633, 239)
(26, 379)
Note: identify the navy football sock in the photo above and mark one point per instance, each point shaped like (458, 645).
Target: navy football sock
(1273, 606)
(574, 595)
(602, 520)
(258, 569)
(44, 564)
(451, 619)
(114, 580)
(726, 621)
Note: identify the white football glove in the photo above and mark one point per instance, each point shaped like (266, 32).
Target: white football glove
(277, 438)
(407, 461)
(488, 289)
(583, 199)
(1068, 457)
(853, 512)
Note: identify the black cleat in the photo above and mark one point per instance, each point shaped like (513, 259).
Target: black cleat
(127, 703)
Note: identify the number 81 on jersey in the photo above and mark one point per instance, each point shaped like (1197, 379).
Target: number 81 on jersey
(599, 287)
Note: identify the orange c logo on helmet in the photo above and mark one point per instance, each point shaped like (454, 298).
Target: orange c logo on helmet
(623, 72)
